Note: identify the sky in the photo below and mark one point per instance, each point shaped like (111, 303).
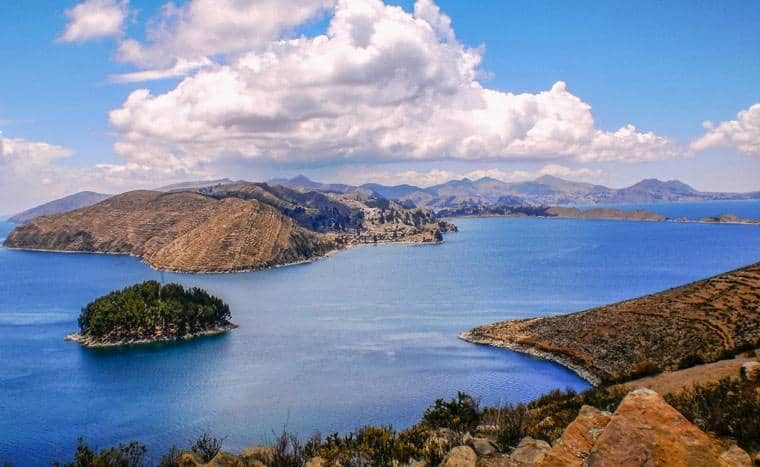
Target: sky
(112, 95)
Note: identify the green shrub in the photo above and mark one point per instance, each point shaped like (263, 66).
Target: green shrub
(460, 414)
(514, 422)
(125, 455)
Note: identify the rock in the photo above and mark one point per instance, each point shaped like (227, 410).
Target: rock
(735, 457)
(263, 454)
(483, 447)
(750, 370)
(315, 462)
(645, 430)
(499, 460)
(529, 452)
(225, 459)
(416, 463)
(575, 444)
(460, 456)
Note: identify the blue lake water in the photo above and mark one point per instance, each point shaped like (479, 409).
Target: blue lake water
(365, 337)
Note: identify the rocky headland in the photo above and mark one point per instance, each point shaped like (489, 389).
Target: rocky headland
(703, 321)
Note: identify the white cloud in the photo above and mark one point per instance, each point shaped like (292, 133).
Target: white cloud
(742, 133)
(581, 173)
(438, 176)
(95, 19)
(204, 28)
(381, 85)
(181, 68)
(32, 172)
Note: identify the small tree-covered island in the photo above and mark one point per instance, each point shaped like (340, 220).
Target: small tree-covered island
(149, 312)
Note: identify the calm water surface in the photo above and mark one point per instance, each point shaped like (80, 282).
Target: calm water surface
(365, 337)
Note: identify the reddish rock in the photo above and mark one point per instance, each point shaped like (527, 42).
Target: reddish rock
(460, 456)
(646, 431)
(575, 444)
(529, 452)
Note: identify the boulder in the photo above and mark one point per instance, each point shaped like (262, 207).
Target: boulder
(750, 370)
(529, 452)
(483, 447)
(735, 457)
(645, 430)
(575, 444)
(460, 456)
(263, 454)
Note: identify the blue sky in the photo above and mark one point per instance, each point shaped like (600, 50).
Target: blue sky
(664, 67)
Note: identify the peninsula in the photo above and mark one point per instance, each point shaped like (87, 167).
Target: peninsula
(230, 227)
(700, 322)
(148, 312)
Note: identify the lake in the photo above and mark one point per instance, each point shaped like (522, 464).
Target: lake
(367, 336)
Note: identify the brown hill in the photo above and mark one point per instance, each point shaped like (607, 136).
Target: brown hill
(231, 228)
(699, 322)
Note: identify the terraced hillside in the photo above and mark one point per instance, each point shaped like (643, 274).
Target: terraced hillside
(231, 228)
(699, 322)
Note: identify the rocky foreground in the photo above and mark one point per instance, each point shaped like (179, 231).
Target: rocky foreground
(232, 227)
(699, 322)
(643, 431)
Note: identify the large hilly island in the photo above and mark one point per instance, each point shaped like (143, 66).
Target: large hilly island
(232, 227)
(699, 322)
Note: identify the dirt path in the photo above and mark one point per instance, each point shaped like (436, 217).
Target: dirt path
(674, 381)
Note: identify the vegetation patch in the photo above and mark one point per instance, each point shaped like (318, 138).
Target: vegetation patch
(149, 312)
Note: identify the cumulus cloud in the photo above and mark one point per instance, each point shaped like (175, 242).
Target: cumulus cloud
(95, 19)
(742, 133)
(438, 176)
(202, 29)
(382, 84)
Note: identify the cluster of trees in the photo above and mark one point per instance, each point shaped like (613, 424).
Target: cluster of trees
(148, 309)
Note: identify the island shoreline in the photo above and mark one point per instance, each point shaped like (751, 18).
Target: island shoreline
(91, 343)
(583, 373)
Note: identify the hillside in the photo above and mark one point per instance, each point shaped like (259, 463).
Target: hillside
(232, 227)
(702, 321)
(67, 203)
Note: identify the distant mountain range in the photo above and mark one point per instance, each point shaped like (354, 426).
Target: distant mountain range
(67, 203)
(545, 190)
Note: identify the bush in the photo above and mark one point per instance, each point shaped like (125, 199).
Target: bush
(690, 361)
(460, 414)
(643, 369)
(514, 422)
(171, 458)
(207, 446)
(288, 451)
(728, 408)
(125, 455)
